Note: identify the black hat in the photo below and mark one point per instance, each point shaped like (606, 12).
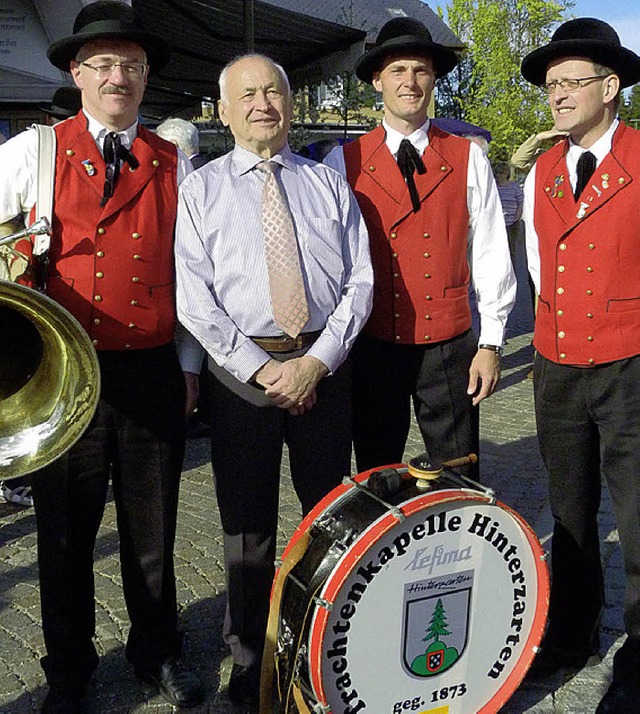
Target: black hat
(66, 102)
(584, 37)
(404, 35)
(108, 19)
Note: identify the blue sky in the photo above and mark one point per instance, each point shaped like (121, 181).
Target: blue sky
(624, 15)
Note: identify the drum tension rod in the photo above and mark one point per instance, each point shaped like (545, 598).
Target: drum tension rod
(394, 510)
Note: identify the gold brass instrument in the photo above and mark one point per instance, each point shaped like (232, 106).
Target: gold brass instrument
(49, 377)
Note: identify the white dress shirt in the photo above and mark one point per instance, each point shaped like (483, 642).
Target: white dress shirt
(488, 250)
(223, 288)
(599, 149)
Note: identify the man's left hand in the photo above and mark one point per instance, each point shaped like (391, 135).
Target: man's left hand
(484, 375)
(193, 392)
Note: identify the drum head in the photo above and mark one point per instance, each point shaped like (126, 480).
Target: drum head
(439, 610)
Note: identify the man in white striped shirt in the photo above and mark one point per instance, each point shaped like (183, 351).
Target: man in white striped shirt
(268, 387)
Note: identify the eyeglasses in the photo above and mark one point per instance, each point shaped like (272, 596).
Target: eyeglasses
(570, 85)
(106, 69)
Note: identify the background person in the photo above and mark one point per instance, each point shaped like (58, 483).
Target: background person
(278, 356)
(581, 203)
(185, 135)
(115, 200)
(511, 199)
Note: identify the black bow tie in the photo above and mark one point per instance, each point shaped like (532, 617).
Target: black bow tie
(114, 152)
(409, 161)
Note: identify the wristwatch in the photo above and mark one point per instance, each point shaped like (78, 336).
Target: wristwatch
(494, 348)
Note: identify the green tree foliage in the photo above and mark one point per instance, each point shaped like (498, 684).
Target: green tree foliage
(487, 88)
(630, 108)
(438, 625)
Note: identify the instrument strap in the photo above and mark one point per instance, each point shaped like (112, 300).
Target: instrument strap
(46, 174)
(268, 657)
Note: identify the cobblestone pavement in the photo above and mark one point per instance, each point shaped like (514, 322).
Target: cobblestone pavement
(511, 465)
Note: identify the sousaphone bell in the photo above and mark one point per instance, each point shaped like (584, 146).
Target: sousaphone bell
(49, 378)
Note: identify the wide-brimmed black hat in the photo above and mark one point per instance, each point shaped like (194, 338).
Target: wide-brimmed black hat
(66, 102)
(585, 37)
(108, 19)
(405, 35)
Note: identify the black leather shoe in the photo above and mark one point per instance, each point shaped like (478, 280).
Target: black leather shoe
(60, 700)
(552, 658)
(177, 684)
(620, 699)
(244, 684)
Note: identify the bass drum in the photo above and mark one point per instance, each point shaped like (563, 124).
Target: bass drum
(408, 598)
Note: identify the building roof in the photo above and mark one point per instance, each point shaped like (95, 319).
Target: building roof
(371, 15)
(206, 34)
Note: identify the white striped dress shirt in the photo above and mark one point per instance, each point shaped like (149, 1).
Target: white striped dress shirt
(223, 289)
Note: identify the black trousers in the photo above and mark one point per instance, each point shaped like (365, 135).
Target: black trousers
(246, 453)
(588, 424)
(137, 436)
(388, 377)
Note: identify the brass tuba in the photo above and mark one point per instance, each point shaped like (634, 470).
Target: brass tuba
(49, 380)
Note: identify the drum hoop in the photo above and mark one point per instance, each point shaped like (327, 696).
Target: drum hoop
(329, 499)
(376, 530)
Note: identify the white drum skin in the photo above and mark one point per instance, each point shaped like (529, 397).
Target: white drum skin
(437, 606)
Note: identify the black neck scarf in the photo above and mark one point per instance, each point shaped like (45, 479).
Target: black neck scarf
(114, 152)
(585, 168)
(409, 161)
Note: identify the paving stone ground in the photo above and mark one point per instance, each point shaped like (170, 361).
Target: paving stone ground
(511, 465)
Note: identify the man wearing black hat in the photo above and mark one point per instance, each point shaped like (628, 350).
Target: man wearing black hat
(433, 212)
(581, 207)
(111, 266)
(65, 103)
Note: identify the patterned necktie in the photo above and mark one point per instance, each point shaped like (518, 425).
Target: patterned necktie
(585, 168)
(114, 152)
(409, 161)
(288, 298)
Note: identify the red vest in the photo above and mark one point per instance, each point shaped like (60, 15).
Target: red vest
(589, 307)
(112, 267)
(419, 259)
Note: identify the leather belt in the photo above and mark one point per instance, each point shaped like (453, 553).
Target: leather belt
(286, 343)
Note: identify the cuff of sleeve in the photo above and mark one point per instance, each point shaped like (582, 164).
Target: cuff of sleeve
(328, 352)
(246, 361)
(491, 332)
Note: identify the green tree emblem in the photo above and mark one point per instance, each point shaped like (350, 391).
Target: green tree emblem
(437, 657)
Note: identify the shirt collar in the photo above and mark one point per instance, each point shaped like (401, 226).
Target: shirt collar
(244, 160)
(599, 149)
(98, 131)
(419, 138)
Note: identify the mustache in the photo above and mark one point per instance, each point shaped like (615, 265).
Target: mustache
(112, 89)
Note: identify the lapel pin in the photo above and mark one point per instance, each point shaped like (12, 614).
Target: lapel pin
(605, 180)
(582, 210)
(89, 167)
(597, 190)
(557, 191)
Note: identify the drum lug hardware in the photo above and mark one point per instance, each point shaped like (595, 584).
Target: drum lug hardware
(321, 709)
(394, 510)
(285, 638)
(336, 531)
(321, 602)
(537, 650)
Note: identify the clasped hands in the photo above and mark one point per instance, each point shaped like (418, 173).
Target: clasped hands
(292, 384)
